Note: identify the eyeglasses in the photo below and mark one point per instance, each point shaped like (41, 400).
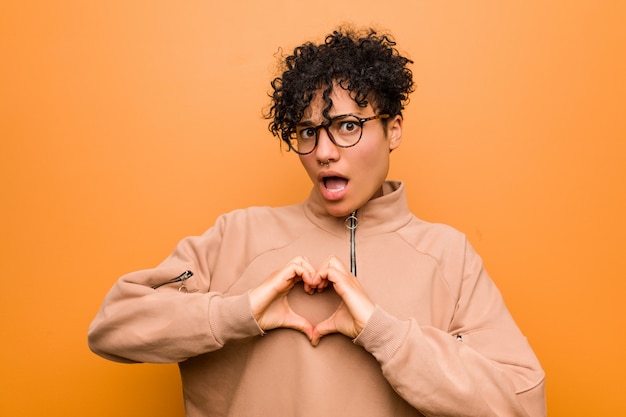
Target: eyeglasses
(344, 131)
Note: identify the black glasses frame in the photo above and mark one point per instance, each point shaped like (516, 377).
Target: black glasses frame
(325, 126)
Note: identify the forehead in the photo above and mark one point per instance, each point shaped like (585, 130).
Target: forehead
(342, 103)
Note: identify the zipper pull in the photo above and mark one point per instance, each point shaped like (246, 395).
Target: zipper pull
(181, 278)
(351, 222)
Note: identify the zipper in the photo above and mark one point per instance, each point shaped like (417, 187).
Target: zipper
(351, 223)
(181, 278)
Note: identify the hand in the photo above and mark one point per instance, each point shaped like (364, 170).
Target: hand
(355, 309)
(269, 300)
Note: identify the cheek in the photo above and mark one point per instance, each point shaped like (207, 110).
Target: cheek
(374, 159)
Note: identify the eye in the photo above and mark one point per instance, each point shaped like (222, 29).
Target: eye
(348, 127)
(304, 133)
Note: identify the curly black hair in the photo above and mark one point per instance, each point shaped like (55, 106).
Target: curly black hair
(363, 62)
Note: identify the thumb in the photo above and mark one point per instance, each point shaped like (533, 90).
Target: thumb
(295, 321)
(323, 328)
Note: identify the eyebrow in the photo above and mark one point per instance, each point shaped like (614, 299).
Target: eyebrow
(309, 122)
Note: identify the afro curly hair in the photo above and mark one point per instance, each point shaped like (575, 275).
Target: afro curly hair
(363, 62)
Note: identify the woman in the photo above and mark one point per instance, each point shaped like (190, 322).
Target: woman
(343, 305)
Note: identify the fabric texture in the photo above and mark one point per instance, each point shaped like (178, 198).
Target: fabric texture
(441, 341)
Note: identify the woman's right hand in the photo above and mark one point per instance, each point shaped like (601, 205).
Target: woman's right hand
(269, 303)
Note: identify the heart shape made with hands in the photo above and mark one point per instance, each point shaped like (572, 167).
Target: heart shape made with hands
(313, 307)
(282, 302)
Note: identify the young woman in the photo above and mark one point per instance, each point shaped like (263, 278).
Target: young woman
(343, 305)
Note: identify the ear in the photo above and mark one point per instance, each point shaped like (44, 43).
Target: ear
(394, 132)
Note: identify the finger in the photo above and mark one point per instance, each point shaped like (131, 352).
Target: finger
(332, 269)
(305, 272)
(347, 286)
(327, 326)
(319, 280)
(296, 270)
(325, 283)
(317, 284)
(310, 284)
(302, 261)
(279, 282)
(315, 338)
(313, 281)
(302, 266)
(297, 322)
(322, 329)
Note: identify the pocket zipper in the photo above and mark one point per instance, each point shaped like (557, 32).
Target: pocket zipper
(181, 278)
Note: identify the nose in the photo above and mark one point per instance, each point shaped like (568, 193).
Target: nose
(326, 150)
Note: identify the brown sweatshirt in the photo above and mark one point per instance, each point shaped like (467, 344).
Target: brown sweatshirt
(441, 342)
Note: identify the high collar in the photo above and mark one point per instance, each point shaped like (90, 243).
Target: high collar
(383, 214)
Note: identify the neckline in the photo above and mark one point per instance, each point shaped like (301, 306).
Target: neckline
(383, 214)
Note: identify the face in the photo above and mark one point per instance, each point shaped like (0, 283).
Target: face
(354, 175)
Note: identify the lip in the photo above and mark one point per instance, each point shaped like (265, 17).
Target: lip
(328, 194)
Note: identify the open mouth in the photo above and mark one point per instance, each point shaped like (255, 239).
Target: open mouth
(334, 184)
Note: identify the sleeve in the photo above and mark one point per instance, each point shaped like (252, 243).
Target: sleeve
(481, 366)
(149, 316)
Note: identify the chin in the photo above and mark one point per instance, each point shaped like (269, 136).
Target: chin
(339, 210)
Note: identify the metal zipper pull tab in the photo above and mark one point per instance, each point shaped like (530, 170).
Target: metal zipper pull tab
(181, 278)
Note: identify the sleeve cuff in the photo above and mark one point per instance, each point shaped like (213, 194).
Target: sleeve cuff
(230, 318)
(382, 335)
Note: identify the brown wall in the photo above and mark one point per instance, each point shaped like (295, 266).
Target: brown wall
(127, 125)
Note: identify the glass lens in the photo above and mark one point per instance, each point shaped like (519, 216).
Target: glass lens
(345, 130)
(303, 139)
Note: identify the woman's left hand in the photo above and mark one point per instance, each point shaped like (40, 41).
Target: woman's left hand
(355, 309)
